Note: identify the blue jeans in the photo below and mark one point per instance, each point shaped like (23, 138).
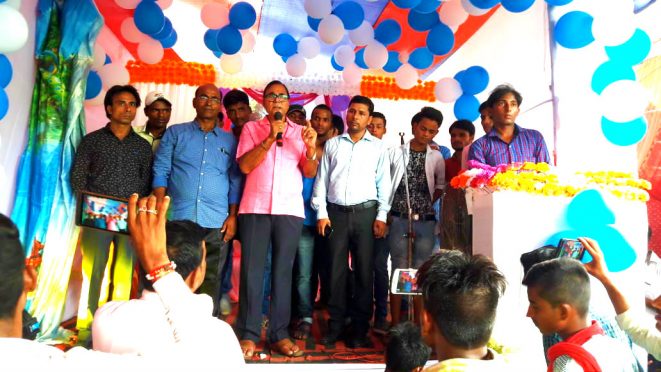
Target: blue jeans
(266, 300)
(303, 279)
(423, 243)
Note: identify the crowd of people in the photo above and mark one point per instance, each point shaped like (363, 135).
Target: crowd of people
(318, 207)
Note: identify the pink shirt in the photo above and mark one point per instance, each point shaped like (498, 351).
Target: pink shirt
(275, 186)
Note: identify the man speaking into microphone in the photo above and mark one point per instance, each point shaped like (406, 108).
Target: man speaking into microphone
(271, 212)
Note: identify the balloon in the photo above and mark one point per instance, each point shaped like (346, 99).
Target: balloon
(113, 74)
(150, 51)
(296, 65)
(362, 35)
(623, 100)
(127, 4)
(165, 32)
(331, 30)
(624, 134)
(613, 30)
(314, 23)
(406, 77)
(352, 75)
(248, 43)
(376, 55)
(474, 80)
(229, 40)
(558, 2)
(459, 76)
(517, 6)
(472, 9)
(169, 41)
(421, 58)
(164, 4)
(130, 32)
(108, 60)
(406, 4)
(427, 6)
(484, 4)
(404, 57)
(231, 64)
(335, 65)
(217, 53)
(4, 103)
(99, 58)
(452, 13)
(467, 107)
(609, 72)
(388, 32)
(6, 71)
(149, 17)
(242, 15)
(632, 52)
(360, 58)
(574, 30)
(318, 8)
(422, 21)
(215, 15)
(447, 90)
(344, 55)
(393, 63)
(440, 39)
(98, 100)
(309, 47)
(285, 45)
(211, 40)
(13, 28)
(94, 85)
(351, 14)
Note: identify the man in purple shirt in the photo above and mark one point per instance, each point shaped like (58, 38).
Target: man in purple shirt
(507, 142)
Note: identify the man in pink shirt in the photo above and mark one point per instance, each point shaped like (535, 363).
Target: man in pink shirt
(275, 154)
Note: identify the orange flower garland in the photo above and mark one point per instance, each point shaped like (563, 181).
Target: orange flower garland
(171, 72)
(385, 87)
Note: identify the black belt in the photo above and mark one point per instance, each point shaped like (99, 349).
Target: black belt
(426, 217)
(352, 208)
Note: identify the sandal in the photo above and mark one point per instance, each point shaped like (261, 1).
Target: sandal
(302, 330)
(247, 348)
(287, 348)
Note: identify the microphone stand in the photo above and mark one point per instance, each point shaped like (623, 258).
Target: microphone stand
(410, 234)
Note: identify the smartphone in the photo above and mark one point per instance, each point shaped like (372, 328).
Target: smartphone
(102, 212)
(403, 282)
(571, 248)
(328, 231)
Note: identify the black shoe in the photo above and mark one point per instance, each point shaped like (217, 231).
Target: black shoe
(381, 326)
(331, 338)
(359, 342)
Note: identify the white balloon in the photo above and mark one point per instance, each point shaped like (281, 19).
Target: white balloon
(613, 32)
(99, 57)
(164, 4)
(376, 55)
(248, 42)
(447, 90)
(331, 29)
(309, 47)
(623, 101)
(344, 55)
(98, 100)
(113, 74)
(362, 35)
(215, 15)
(318, 8)
(296, 65)
(13, 28)
(150, 51)
(16, 4)
(127, 4)
(130, 32)
(406, 76)
(231, 63)
(472, 9)
(352, 74)
(452, 13)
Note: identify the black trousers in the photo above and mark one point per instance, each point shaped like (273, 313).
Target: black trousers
(217, 250)
(257, 231)
(352, 233)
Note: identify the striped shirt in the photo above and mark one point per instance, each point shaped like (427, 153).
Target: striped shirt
(527, 145)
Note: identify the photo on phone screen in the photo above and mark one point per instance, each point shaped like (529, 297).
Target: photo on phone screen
(403, 282)
(102, 212)
(570, 248)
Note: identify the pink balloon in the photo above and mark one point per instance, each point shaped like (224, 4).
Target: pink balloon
(406, 76)
(352, 74)
(215, 15)
(127, 4)
(150, 51)
(130, 32)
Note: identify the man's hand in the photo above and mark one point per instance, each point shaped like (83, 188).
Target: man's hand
(309, 137)
(596, 267)
(229, 228)
(379, 229)
(147, 226)
(321, 225)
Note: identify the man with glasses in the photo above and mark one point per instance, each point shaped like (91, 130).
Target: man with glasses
(195, 165)
(158, 110)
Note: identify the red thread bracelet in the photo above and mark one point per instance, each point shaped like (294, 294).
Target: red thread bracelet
(161, 271)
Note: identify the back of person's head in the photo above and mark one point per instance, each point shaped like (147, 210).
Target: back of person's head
(428, 113)
(561, 281)
(380, 115)
(464, 125)
(500, 91)
(338, 124)
(460, 293)
(12, 264)
(235, 96)
(405, 349)
(365, 101)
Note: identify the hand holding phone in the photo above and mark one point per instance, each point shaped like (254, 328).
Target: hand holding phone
(102, 212)
(571, 248)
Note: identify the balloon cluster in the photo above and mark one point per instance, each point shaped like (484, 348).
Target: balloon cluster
(229, 32)
(171, 72)
(6, 73)
(14, 31)
(295, 52)
(148, 27)
(95, 84)
(471, 81)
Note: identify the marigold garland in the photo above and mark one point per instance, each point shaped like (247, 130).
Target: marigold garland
(385, 87)
(171, 72)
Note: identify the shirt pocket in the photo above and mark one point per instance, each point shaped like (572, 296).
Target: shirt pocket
(221, 160)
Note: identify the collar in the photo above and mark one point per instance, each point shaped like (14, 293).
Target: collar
(367, 136)
(145, 131)
(494, 133)
(265, 121)
(215, 130)
(109, 131)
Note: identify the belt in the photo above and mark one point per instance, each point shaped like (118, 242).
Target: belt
(352, 208)
(416, 217)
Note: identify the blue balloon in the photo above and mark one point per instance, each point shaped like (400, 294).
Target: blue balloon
(406, 4)
(388, 32)
(421, 58)
(467, 107)
(149, 17)
(6, 71)
(440, 39)
(360, 59)
(335, 65)
(314, 23)
(624, 134)
(211, 39)
(484, 4)
(351, 14)
(285, 45)
(422, 21)
(94, 85)
(169, 41)
(474, 80)
(393, 63)
(4, 103)
(427, 6)
(459, 77)
(633, 51)
(165, 31)
(517, 6)
(108, 60)
(229, 40)
(609, 72)
(242, 15)
(217, 53)
(574, 30)
(558, 2)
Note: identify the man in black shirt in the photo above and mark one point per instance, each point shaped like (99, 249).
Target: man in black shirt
(113, 161)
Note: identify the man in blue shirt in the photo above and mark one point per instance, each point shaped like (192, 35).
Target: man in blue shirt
(195, 165)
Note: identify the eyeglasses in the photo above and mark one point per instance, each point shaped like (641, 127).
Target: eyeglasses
(276, 97)
(214, 100)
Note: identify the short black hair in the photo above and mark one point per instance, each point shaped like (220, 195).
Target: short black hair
(463, 124)
(117, 89)
(276, 82)
(405, 349)
(323, 107)
(483, 106)
(561, 281)
(461, 294)
(338, 123)
(184, 247)
(428, 113)
(12, 264)
(379, 115)
(235, 96)
(502, 90)
(365, 101)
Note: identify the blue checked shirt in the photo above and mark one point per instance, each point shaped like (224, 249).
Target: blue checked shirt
(200, 172)
(526, 145)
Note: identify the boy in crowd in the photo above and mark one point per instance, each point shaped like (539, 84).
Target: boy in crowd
(405, 350)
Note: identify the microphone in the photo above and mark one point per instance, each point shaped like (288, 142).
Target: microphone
(401, 136)
(278, 138)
